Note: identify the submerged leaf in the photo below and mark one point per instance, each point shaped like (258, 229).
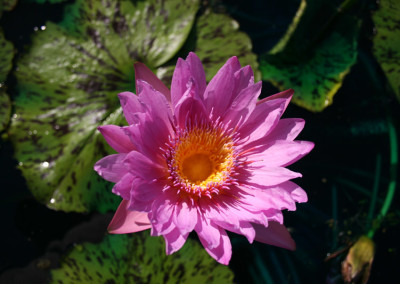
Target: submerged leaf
(312, 58)
(6, 55)
(138, 258)
(68, 84)
(387, 41)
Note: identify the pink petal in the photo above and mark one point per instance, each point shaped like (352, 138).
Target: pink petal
(280, 154)
(219, 92)
(295, 191)
(174, 241)
(141, 166)
(124, 186)
(286, 129)
(191, 69)
(223, 252)
(267, 198)
(116, 138)
(148, 136)
(155, 103)
(268, 176)
(111, 167)
(190, 107)
(180, 79)
(130, 106)
(262, 120)
(243, 105)
(197, 72)
(145, 74)
(209, 233)
(162, 211)
(185, 217)
(125, 221)
(234, 212)
(243, 78)
(287, 95)
(275, 234)
(245, 229)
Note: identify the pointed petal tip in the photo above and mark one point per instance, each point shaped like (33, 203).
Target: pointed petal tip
(126, 221)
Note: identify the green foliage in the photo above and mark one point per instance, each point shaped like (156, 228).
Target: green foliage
(314, 55)
(6, 56)
(69, 79)
(387, 41)
(137, 258)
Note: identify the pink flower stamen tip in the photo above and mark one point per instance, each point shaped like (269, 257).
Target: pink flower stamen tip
(204, 158)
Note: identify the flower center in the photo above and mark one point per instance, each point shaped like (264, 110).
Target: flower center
(197, 167)
(201, 160)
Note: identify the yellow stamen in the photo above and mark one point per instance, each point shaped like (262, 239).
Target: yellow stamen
(203, 156)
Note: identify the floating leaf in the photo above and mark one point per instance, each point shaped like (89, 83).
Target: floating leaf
(7, 5)
(387, 41)
(136, 258)
(68, 84)
(313, 57)
(6, 55)
(211, 32)
(218, 38)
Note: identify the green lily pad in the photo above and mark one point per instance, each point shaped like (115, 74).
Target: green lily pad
(137, 258)
(7, 5)
(68, 84)
(387, 41)
(211, 32)
(314, 56)
(6, 56)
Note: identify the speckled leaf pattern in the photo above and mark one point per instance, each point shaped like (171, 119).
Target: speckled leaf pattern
(218, 38)
(387, 41)
(214, 31)
(7, 5)
(315, 73)
(68, 84)
(138, 258)
(6, 56)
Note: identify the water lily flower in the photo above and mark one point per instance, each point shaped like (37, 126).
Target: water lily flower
(204, 158)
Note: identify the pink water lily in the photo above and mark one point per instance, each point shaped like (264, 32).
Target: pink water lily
(204, 158)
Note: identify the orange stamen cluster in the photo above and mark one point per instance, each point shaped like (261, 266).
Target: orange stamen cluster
(201, 161)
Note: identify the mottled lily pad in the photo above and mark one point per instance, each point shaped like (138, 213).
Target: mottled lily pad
(69, 80)
(314, 56)
(6, 55)
(7, 5)
(211, 32)
(387, 41)
(136, 258)
(68, 84)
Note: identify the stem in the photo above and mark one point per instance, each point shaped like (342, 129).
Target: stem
(393, 176)
(334, 215)
(375, 189)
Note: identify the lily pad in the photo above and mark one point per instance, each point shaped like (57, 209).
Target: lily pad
(387, 41)
(7, 5)
(68, 84)
(136, 258)
(6, 56)
(211, 32)
(314, 55)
